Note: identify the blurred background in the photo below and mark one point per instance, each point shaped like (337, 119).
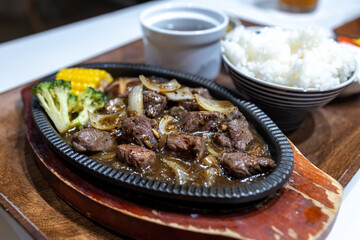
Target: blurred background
(19, 18)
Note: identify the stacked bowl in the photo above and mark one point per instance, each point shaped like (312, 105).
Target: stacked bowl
(286, 106)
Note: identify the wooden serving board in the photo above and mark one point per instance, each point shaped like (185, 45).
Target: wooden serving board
(304, 208)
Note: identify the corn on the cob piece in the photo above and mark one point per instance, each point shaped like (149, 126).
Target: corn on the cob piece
(81, 78)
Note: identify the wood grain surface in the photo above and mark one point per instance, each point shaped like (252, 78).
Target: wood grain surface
(329, 138)
(350, 29)
(304, 208)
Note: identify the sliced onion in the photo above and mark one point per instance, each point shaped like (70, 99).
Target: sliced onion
(104, 156)
(115, 105)
(211, 174)
(106, 121)
(212, 169)
(202, 151)
(211, 151)
(181, 94)
(164, 123)
(135, 100)
(160, 87)
(124, 84)
(121, 86)
(180, 172)
(221, 106)
(209, 160)
(162, 141)
(105, 82)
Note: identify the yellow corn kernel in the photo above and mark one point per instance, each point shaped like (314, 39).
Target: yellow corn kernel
(81, 78)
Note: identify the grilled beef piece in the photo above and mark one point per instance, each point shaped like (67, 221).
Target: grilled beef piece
(241, 165)
(199, 121)
(136, 156)
(239, 133)
(138, 130)
(234, 115)
(201, 91)
(236, 130)
(92, 140)
(185, 145)
(222, 140)
(154, 104)
(192, 105)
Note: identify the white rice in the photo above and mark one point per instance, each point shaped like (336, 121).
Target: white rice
(304, 58)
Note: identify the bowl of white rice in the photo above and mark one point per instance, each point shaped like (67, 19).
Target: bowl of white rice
(288, 72)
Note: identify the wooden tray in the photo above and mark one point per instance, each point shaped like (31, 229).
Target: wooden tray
(304, 208)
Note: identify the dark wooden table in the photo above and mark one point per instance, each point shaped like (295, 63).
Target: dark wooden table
(329, 137)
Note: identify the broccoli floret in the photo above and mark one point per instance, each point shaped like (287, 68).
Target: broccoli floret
(72, 103)
(89, 100)
(53, 97)
(59, 102)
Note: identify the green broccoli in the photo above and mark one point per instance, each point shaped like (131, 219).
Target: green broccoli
(59, 102)
(89, 100)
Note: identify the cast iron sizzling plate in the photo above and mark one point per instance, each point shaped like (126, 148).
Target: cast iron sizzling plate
(278, 144)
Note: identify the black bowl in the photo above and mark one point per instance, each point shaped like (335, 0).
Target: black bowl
(279, 146)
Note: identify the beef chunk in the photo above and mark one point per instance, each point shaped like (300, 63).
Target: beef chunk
(92, 140)
(234, 115)
(185, 145)
(138, 130)
(192, 105)
(237, 130)
(236, 135)
(154, 103)
(201, 91)
(239, 133)
(222, 140)
(241, 165)
(136, 156)
(199, 121)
